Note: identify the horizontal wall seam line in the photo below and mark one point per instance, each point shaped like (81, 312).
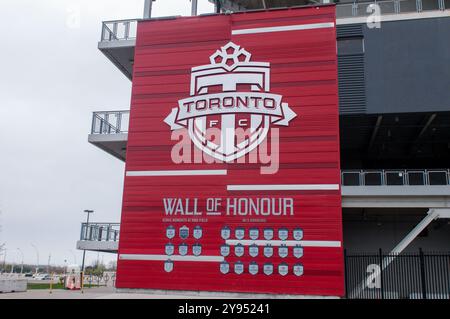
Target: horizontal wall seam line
(172, 258)
(298, 187)
(289, 243)
(175, 173)
(297, 27)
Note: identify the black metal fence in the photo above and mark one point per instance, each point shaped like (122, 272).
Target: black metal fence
(406, 276)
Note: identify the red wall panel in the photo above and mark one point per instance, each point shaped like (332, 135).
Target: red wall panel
(300, 46)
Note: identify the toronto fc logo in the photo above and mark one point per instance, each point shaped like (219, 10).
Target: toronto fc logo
(228, 96)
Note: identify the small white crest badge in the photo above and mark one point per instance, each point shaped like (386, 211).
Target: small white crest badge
(268, 234)
(298, 234)
(225, 233)
(239, 268)
(254, 233)
(184, 232)
(197, 249)
(253, 268)
(198, 232)
(283, 251)
(239, 250)
(268, 251)
(224, 267)
(298, 270)
(268, 269)
(283, 233)
(170, 232)
(168, 266)
(253, 250)
(225, 250)
(170, 249)
(183, 249)
(239, 233)
(298, 251)
(283, 269)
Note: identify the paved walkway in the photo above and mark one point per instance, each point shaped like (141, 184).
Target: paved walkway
(92, 293)
(110, 293)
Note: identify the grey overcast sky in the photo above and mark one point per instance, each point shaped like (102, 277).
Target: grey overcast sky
(52, 78)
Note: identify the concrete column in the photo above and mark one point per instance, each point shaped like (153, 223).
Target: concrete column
(194, 7)
(148, 9)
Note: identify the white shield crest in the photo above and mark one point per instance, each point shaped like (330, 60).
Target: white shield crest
(239, 233)
(183, 249)
(268, 269)
(239, 268)
(283, 269)
(268, 234)
(298, 234)
(170, 249)
(198, 232)
(239, 250)
(298, 251)
(184, 232)
(254, 233)
(170, 232)
(283, 251)
(225, 233)
(298, 270)
(225, 250)
(268, 251)
(168, 266)
(230, 70)
(224, 267)
(253, 268)
(283, 233)
(253, 250)
(197, 249)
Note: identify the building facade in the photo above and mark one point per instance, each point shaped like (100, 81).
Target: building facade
(364, 146)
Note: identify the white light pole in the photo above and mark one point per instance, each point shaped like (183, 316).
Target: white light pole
(37, 256)
(21, 267)
(88, 212)
(65, 269)
(4, 260)
(48, 263)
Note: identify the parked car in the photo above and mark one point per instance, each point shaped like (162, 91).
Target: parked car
(43, 277)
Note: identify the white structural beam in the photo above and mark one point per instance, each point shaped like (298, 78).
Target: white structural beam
(433, 214)
(148, 9)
